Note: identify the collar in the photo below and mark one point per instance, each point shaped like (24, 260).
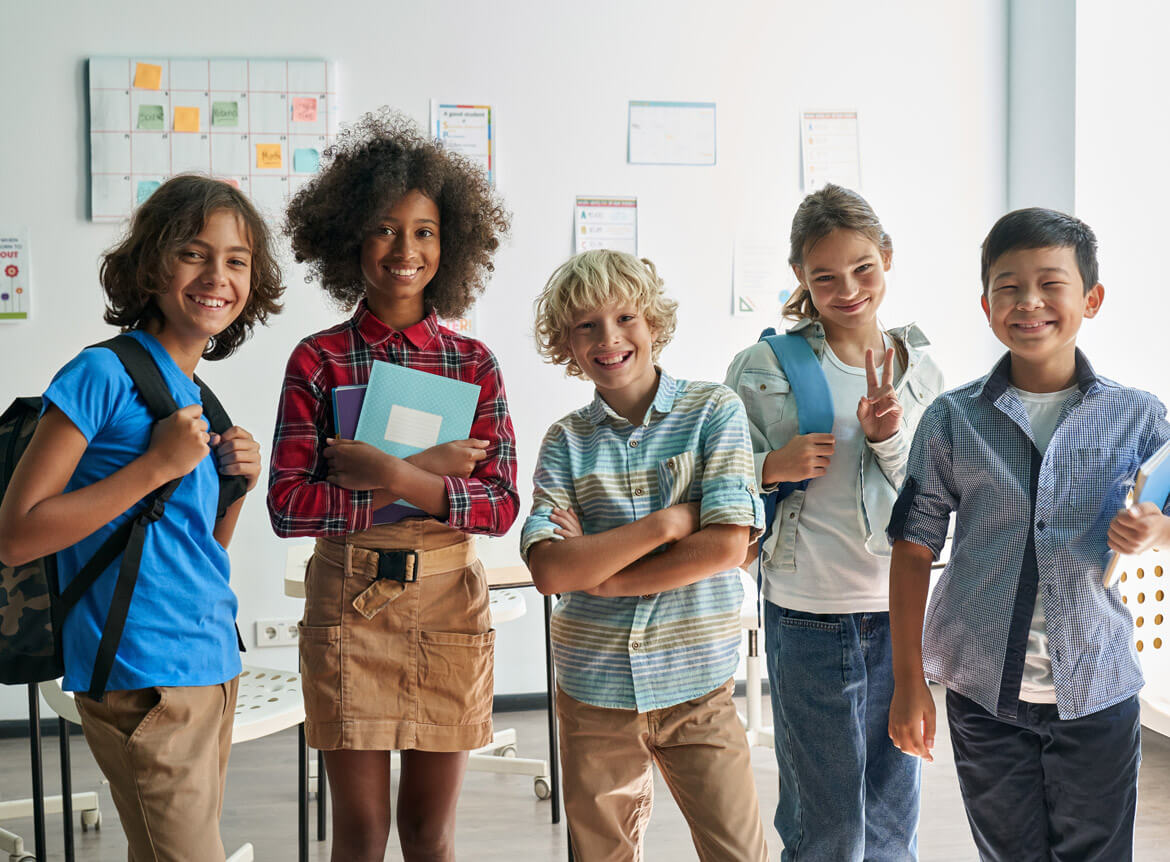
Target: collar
(375, 332)
(599, 412)
(911, 337)
(999, 379)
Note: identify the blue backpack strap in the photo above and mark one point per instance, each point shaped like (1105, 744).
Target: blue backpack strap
(814, 410)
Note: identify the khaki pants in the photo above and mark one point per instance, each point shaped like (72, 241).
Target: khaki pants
(703, 753)
(165, 752)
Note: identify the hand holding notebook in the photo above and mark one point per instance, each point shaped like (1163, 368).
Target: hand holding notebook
(1152, 486)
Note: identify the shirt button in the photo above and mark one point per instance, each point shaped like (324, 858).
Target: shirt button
(647, 595)
(751, 489)
(633, 442)
(1039, 525)
(637, 492)
(396, 335)
(635, 645)
(1056, 655)
(791, 515)
(763, 388)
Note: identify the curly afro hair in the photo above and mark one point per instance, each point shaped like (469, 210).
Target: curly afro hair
(373, 164)
(136, 271)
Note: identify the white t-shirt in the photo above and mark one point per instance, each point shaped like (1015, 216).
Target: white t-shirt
(1036, 686)
(835, 574)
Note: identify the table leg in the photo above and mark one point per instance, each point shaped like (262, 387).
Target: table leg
(38, 776)
(66, 787)
(322, 795)
(554, 765)
(303, 796)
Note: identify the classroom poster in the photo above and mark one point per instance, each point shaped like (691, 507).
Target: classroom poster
(605, 223)
(15, 275)
(671, 133)
(467, 130)
(829, 149)
(260, 125)
(760, 277)
(465, 325)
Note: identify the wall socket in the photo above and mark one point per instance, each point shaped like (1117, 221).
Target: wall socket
(276, 633)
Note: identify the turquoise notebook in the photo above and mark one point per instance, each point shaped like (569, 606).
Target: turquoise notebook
(406, 411)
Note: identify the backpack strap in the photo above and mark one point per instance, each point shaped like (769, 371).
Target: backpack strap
(231, 488)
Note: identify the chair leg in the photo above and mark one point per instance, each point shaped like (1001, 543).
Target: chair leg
(38, 776)
(66, 788)
(554, 766)
(303, 800)
(322, 795)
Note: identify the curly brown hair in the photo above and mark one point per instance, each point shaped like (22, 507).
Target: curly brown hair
(372, 165)
(138, 269)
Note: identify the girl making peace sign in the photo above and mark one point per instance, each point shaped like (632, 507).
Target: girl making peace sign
(846, 793)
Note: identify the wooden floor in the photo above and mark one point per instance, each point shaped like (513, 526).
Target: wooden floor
(500, 817)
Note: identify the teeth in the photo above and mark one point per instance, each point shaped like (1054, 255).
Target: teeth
(612, 360)
(207, 302)
(1035, 325)
(402, 271)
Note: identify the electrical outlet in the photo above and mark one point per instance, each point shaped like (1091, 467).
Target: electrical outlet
(276, 632)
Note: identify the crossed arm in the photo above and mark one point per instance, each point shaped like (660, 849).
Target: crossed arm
(620, 562)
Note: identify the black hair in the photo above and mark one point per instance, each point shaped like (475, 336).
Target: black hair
(1037, 227)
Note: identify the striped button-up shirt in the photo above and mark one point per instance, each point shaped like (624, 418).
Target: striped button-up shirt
(302, 503)
(1027, 521)
(652, 651)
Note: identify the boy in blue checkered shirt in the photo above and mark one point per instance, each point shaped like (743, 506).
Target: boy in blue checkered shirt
(1038, 657)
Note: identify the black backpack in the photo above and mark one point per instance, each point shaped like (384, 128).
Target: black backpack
(31, 599)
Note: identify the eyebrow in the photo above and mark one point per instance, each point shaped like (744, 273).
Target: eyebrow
(868, 256)
(416, 221)
(1043, 269)
(234, 248)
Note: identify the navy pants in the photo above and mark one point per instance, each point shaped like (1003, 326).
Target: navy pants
(1039, 788)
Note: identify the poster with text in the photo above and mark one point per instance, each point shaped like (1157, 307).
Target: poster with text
(605, 222)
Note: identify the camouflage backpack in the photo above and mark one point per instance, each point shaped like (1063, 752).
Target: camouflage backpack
(32, 605)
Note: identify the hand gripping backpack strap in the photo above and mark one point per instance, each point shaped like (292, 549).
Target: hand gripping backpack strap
(814, 410)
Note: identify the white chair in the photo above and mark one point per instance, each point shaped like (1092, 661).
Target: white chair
(1145, 589)
(499, 755)
(749, 620)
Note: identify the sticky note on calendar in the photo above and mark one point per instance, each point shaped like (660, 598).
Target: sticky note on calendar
(304, 110)
(147, 76)
(145, 189)
(225, 114)
(306, 161)
(186, 119)
(268, 156)
(151, 118)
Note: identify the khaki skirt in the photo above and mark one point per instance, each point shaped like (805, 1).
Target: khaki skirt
(393, 665)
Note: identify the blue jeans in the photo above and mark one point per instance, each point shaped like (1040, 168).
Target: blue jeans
(846, 794)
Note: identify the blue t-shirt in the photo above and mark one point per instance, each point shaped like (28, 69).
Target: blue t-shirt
(181, 626)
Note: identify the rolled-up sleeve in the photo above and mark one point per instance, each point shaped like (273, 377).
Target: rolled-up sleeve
(552, 489)
(729, 485)
(923, 510)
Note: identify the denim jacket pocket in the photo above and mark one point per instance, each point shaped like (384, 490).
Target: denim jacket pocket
(676, 476)
(765, 395)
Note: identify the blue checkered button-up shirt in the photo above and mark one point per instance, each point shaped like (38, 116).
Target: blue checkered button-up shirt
(1027, 521)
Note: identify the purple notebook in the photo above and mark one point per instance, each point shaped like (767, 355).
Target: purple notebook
(347, 407)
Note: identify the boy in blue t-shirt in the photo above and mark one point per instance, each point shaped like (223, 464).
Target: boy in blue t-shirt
(1037, 656)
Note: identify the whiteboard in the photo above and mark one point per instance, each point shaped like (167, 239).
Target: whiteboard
(261, 125)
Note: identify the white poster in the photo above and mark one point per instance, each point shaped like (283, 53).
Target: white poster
(15, 276)
(829, 149)
(605, 223)
(760, 278)
(671, 133)
(467, 130)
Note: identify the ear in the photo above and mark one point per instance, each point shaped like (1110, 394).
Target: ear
(798, 271)
(887, 258)
(985, 306)
(1093, 300)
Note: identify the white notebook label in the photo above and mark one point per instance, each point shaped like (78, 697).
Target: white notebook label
(412, 427)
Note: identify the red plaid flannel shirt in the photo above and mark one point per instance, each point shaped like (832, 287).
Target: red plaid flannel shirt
(302, 503)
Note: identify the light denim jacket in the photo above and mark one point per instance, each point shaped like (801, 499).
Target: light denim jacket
(757, 378)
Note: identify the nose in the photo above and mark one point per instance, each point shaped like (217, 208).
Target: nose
(608, 332)
(1030, 296)
(404, 243)
(215, 272)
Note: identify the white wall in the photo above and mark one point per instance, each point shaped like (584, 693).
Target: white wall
(1123, 183)
(927, 77)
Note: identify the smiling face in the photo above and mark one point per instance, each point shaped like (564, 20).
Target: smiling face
(400, 258)
(614, 346)
(845, 273)
(1036, 301)
(210, 281)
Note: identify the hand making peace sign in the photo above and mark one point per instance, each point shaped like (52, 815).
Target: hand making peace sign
(879, 412)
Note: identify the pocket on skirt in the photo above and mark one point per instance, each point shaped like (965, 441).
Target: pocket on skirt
(320, 648)
(456, 677)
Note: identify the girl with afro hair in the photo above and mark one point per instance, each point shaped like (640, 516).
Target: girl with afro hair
(396, 642)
